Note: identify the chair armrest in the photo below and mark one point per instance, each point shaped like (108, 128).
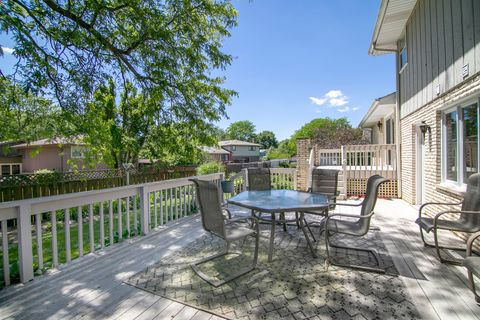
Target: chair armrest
(438, 215)
(228, 212)
(350, 215)
(253, 219)
(349, 204)
(470, 242)
(436, 203)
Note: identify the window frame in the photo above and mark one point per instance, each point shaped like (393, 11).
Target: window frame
(11, 165)
(460, 161)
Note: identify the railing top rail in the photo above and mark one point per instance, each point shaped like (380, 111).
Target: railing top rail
(329, 150)
(369, 146)
(106, 194)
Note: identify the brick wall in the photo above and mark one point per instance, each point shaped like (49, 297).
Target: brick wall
(303, 153)
(431, 114)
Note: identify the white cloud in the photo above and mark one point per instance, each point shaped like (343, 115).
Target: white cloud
(334, 94)
(318, 101)
(345, 109)
(338, 102)
(334, 98)
(355, 109)
(7, 50)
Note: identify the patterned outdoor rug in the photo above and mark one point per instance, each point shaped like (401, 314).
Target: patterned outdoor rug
(293, 286)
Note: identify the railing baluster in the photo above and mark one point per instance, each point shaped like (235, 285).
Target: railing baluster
(127, 215)
(67, 234)
(155, 213)
(53, 218)
(185, 200)
(80, 231)
(119, 220)
(161, 206)
(110, 221)
(38, 230)
(6, 262)
(102, 226)
(171, 205)
(135, 218)
(91, 235)
(176, 204)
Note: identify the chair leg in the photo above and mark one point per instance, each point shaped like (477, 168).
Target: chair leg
(309, 229)
(472, 286)
(379, 263)
(438, 247)
(282, 217)
(241, 272)
(309, 243)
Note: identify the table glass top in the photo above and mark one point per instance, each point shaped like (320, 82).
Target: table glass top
(279, 200)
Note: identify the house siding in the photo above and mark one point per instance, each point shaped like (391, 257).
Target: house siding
(442, 36)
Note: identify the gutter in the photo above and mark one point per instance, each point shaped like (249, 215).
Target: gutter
(380, 18)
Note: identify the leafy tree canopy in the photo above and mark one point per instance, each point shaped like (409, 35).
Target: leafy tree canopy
(241, 130)
(267, 139)
(158, 57)
(24, 116)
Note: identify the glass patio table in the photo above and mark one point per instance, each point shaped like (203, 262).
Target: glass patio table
(278, 202)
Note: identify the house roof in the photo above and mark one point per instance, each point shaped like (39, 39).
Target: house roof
(380, 108)
(237, 143)
(44, 142)
(214, 150)
(391, 20)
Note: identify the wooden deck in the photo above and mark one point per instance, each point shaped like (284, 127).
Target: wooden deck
(92, 287)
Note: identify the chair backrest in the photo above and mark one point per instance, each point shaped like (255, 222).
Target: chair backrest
(210, 210)
(258, 179)
(471, 201)
(368, 204)
(325, 181)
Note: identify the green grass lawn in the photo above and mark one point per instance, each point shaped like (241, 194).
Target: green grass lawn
(168, 212)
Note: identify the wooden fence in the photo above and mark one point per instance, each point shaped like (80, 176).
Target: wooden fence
(26, 186)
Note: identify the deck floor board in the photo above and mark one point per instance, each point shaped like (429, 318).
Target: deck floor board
(92, 287)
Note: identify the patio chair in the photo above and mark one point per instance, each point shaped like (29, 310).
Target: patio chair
(324, 181)
(359, 226)
(468, 218)
(472, 264)
(258, 179)
(214, 222)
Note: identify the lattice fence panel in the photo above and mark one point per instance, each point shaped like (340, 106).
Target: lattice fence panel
(357, 187)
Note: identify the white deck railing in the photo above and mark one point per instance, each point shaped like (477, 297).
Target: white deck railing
(53, 230)
(50, 231)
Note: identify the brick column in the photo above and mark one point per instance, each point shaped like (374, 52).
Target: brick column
(303, 153)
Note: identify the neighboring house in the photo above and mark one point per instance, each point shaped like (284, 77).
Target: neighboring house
(217, 154)
(380, 120)
(52, 154)
(242, 151)
(10, 159)
(437, 49)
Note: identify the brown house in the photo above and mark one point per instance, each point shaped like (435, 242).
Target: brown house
(53, 154)
(10, 159)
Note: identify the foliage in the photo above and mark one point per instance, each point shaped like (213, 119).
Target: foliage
(282, 152)
(147, 67)
(267, 139)
(210, 167)
(333, 136)
(24, 115)
(44, 171)
(241, 130)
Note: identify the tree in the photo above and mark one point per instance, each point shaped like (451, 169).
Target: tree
(123, 129)
(282, 152)
(167, 50)
(267, 139)
(241, 130)
(334, 135)
(24, 115)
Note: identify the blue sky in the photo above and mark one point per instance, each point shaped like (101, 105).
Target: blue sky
(299, 60)
(288, 51)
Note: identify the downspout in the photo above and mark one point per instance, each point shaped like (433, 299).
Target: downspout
(397, 124)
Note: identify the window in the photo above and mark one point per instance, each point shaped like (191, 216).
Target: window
(78, 152)
(460, 143)
(252, 148)
(10, 168)
(233, 148)
(403, 57)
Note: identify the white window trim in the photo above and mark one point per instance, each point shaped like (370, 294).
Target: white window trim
(459, 185)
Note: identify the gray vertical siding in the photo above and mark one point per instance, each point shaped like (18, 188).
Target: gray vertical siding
(441, 37)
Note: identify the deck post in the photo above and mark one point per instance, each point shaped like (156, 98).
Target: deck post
(344, 170)
(25, 254)
(144, 210)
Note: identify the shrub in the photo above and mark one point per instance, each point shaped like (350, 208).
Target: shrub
(210, 167)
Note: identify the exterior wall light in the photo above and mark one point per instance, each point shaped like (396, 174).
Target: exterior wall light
(424, 128)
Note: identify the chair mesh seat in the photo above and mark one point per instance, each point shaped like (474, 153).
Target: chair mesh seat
(234, 232)
(452, 225)
(350, 227)
(472, 264)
